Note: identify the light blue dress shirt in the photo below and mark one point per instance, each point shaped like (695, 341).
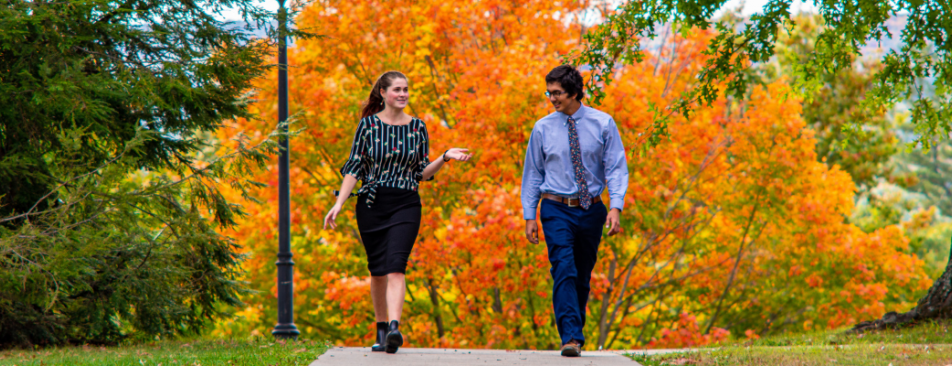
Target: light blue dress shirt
(548, 166)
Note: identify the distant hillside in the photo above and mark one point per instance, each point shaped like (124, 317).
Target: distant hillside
(257, 32)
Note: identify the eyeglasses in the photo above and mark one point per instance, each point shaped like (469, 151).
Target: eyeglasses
(557, 93)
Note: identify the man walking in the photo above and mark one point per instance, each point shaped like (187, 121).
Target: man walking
(572, 154)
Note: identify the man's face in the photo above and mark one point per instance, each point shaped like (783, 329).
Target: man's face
(558, 97)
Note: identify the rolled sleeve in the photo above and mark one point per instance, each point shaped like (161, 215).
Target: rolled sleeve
(355, 165)
(423, 152)
(533, 175)
(616, 166)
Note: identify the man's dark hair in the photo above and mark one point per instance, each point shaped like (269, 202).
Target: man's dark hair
(569, 78)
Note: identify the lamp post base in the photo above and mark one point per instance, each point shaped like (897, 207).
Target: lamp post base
(285, 331)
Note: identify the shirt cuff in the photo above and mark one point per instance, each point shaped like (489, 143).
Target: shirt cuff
(618, 203)
(529, 214)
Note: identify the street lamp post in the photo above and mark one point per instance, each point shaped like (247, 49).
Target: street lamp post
(285, 328)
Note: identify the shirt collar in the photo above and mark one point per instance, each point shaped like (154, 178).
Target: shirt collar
(579, 114)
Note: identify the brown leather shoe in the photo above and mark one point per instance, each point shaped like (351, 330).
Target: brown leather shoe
(571, 349)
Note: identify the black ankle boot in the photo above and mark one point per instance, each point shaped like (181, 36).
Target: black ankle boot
(394, 338)
(381, 336)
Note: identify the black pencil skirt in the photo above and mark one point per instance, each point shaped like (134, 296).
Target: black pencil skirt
(389, 228)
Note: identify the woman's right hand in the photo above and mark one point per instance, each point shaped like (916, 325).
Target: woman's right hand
(331, 216)
(457, 154)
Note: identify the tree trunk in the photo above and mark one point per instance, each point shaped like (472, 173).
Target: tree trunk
(497, 301)
(937, 304)
(435, 299)
(603, 325)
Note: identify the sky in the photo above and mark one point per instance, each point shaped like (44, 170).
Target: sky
(756, 6)
(270, 5)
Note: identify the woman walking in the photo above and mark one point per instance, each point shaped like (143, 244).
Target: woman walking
(390, 155)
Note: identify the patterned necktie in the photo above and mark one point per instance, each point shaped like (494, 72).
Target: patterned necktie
(584, 197)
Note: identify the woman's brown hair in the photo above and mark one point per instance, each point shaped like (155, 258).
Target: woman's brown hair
(374, 103)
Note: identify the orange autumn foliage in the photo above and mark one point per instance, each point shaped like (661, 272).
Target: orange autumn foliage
(730, 226)
(685, 333)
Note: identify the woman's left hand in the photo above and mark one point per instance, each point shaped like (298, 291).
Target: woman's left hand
(457, 153)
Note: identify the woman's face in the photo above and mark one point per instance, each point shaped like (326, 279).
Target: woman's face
(398, 94)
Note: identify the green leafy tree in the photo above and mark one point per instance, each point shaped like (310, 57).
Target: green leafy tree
(848, 26)
(921, 194)
(110, 192)
(837, 105)
(925, 54)
(931, 171)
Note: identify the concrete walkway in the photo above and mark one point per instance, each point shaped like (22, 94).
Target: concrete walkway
(360, 356)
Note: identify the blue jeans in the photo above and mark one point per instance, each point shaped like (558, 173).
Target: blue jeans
(572, 236)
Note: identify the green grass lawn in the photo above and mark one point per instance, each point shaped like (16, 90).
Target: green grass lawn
(171, 353)
(925, 344)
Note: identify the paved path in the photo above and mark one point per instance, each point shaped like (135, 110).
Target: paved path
(359, 356)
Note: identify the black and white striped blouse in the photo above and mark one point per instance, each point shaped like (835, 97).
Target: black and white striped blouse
(386, 155)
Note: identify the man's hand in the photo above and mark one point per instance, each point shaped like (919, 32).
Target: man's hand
(532, 231)
(613, 222)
